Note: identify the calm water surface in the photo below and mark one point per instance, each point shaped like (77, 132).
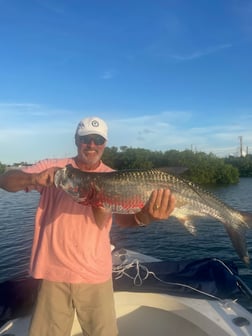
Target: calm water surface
(165, 240)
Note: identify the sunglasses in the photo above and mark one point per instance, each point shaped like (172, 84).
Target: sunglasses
(96, 138)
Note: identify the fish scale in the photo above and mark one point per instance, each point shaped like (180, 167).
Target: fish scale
(127, 191)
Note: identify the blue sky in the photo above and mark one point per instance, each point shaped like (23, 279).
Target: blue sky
(171, 74)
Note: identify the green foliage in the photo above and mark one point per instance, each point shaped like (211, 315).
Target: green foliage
(243, 164)
(2, 168)
(202, 168)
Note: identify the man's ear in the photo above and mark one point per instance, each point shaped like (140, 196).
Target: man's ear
(76, 138)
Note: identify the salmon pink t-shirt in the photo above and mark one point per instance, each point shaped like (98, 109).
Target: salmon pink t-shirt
(68, 246)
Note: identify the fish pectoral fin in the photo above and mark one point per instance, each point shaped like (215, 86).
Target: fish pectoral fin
(101, 216)
(188, 224)
(185, 216)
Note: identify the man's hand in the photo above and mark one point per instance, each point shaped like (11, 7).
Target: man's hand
(15, 179)
(160, 206)
(45, 178)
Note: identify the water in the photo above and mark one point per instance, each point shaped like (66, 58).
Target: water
(17, 212)
(164, 240)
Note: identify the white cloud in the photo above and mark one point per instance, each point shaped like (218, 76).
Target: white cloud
(108, 74)
(200, 53)
(175, 130)
(31, 132)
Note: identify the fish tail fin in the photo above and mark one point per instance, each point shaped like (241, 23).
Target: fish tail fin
(237, 237)
(237, 234)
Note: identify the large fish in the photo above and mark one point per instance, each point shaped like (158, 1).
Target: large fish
(127, 191)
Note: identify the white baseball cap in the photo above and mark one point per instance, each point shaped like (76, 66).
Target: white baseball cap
(92, 125)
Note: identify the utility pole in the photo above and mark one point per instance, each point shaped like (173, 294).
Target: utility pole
(240, 138)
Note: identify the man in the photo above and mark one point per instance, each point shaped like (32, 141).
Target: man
(71, 247)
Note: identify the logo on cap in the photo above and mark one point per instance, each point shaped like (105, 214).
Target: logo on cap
(95, 123)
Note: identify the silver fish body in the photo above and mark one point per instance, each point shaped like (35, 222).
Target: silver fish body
(127, 191)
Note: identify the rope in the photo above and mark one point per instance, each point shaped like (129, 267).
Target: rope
(138, 279)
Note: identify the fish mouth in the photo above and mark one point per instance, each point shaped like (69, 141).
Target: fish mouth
(74, 193)
(62, 179)
(58, 178)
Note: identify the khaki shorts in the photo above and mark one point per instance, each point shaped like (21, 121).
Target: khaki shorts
(57, 302)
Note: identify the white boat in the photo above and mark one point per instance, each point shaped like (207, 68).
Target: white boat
(154, 297)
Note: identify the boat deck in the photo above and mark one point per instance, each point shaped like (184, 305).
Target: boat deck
(163, 315)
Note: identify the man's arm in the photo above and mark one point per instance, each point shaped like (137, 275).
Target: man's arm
(15, 180)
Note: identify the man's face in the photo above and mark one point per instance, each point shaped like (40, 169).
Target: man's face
(90, 149)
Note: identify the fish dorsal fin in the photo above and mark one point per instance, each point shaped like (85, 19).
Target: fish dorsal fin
(173, 170)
